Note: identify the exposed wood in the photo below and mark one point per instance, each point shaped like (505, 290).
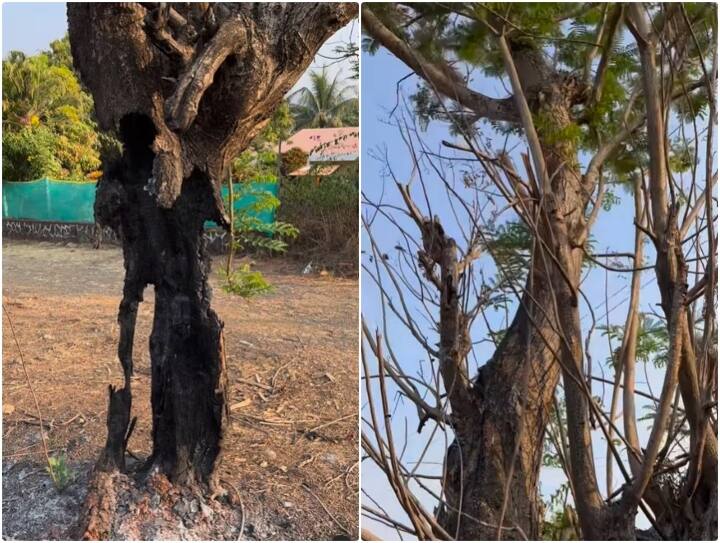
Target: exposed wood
(185, 88)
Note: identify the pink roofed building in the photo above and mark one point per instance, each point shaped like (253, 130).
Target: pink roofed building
(327, 148)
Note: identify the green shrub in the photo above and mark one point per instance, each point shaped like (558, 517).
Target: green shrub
(293, 159)
(245, 282)
(29, 154)
(250, 231)
(325, 210)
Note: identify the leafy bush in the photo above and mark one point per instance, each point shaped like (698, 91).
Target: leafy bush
(325, 209)
(48, 128)
(293, 159)
(255, 165)
(245, 282)
(29, 154)
(250, 231)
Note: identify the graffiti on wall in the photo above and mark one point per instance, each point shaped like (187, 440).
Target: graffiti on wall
(56, 231)
(215, 238)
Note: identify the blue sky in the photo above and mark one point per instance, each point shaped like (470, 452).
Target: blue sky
(30, 27)
(613, 232)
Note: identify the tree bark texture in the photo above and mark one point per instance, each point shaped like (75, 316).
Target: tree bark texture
(186, 87)
(692, 513)
(493, 466)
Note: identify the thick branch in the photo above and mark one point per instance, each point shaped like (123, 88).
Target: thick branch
(440, 78)
(182, 107)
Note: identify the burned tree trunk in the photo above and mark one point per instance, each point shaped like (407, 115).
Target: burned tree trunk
(186, 87)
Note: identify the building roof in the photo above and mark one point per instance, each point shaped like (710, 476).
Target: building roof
(325, 144)
(320, 171)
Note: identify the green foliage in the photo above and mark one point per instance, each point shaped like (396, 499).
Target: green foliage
(681, 158)
(652, 342)
(60, 53)
(29, 154)
(325, 103)
(458, 38)
(560, 522)
(250, 231)
(59, 471)
(254, 165)
(47, 118)
(279, 128)
(609, 200)
(245, 282)
(510, 246)
(351, 52)
(550, 457)
(259, 162)
(551, 133)
(561, 526)
(325, 208)
(293, 159)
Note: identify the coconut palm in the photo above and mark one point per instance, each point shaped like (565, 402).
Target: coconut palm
(325, 103)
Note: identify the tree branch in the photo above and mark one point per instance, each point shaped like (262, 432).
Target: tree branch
(182, 107)
(439, 77)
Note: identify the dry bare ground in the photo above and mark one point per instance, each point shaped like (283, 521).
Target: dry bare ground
(291, 449)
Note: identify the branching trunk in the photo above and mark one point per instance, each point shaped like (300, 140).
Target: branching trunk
(186, 87)
(494, 464)
(698, 497)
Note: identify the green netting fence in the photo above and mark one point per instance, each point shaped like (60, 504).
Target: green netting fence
(54, 200)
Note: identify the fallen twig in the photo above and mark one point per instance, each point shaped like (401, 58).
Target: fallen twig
(326, 424)
(242, 508)
(253, 383)
(336, 521)
(273, 381)
(32, 391)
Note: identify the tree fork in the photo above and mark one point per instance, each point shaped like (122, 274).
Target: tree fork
(186, 95)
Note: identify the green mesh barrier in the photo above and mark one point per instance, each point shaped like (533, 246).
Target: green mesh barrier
(49, 200)
(66, 201)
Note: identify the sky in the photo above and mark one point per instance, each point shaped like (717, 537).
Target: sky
(30, 27)
(613, 232)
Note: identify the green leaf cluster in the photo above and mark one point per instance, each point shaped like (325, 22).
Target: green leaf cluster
(653, 341)
(48, 128)
(59, 471)
(251, 231)
(259, 162)
(245, 282)
(325, 103)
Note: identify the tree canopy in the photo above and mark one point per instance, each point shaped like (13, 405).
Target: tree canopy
(551, 113)
(48, 126)
(325, 103)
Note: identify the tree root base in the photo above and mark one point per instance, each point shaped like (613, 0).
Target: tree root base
(118, 507)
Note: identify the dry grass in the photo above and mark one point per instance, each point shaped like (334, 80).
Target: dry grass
(291, 449)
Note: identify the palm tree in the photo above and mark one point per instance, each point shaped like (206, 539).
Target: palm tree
(37, 91)
(324, 103)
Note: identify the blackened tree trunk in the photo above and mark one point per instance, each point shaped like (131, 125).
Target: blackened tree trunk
(186, 87)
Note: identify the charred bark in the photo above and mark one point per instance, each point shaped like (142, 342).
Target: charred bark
(186, 87)
(165, 248)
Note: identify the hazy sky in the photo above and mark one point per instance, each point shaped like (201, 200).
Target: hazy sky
(30, 27)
